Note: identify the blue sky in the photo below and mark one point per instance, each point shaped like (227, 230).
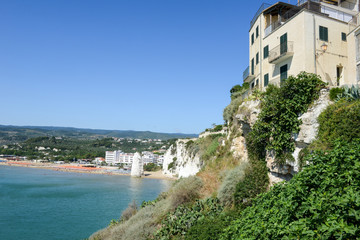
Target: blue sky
(157, 65)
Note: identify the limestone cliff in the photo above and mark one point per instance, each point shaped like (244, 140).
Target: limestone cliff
(179, 162)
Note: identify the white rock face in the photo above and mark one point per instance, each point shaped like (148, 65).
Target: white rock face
(137, 167)
(184, 163)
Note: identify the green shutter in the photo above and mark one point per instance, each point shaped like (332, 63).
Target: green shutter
(252, 66)
(257, 58)
(283, 72)
(252, 39)
(266, 79)
(343, 36)
(323, 33)
(266, 51)
(283, 43)
(257, 31)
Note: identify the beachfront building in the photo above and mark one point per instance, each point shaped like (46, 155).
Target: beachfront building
(118, 157)
(312, 36)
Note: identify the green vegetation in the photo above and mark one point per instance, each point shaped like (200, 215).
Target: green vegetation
(226, 193)
(177, 223)
(340, 120)
(172, 165)
(321, 202)
(278, 119)
(236, 99)
(152, 167)
(334, 92)
(237, 90)
(15, 134)
(69, 149)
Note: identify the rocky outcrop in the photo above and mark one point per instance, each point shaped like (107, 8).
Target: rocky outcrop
(307, 134)
(179, 161)
(137, 167)
(247, 115)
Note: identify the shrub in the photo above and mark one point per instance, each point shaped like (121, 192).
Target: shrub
(350, 94)
(172, 164)
(278, 119)
(231, 109)
(177, 223)
(217, 128)
(321, 202)
(253, 183)
(334, 92)
(339, 120)
(151, 167)
(185, 190)
(129, 211)
(228, 186)
(210, 227)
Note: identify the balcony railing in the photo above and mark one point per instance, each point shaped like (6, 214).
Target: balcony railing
(247, 76)
(259, 11)
(281, 52)
(301, 2)
(246, 73)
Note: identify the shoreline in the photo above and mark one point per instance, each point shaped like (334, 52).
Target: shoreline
(80, 169)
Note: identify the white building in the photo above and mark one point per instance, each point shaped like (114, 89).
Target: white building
(312, 36)
(118, 157)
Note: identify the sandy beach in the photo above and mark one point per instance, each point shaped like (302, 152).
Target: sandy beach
(81, 169)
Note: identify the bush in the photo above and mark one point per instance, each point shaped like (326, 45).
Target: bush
(321, 202)
(278, 119)
(185, 190)
(334, 92)
(254, 182)
(231, 109)
(339, 120)
(210, 227)
(172, 164)
(228, 186)
(129, 211)
(177, 223)
(217, 128)
(151, 167)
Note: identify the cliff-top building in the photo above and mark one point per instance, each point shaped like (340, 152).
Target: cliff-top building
(316, 36)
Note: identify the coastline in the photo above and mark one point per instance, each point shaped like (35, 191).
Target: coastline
(77, 168)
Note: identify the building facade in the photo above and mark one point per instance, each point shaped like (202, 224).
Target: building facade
(312, 36)
(118, 157)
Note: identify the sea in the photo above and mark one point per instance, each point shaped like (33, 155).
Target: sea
(45, 204)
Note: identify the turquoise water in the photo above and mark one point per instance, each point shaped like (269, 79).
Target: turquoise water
(44, 204)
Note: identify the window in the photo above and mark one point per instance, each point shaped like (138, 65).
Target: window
(266, 51)
(343, 36)
(323, 33)
(257, 31)
(252, 85)
(252, 66)
(266, 80)
(283, 43)
(283, 73)
(257, 82)
(252, 39)
(257, 58)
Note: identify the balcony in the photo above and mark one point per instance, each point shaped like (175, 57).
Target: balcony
(281, 52)
(247, 77)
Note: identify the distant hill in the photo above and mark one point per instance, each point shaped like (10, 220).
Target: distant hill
(12, 134)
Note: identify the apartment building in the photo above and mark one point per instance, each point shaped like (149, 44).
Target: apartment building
(118, 157)
(312, 36)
